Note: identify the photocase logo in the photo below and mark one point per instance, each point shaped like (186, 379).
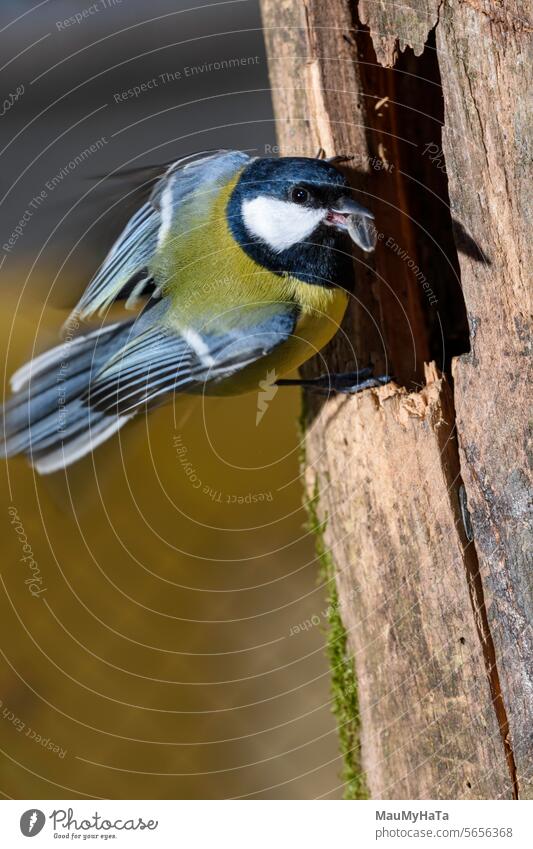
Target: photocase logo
(32, 822)
(268, 390)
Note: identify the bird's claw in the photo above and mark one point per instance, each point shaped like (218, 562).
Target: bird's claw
(346, 383)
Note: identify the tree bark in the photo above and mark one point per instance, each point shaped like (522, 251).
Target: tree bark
(424, 483)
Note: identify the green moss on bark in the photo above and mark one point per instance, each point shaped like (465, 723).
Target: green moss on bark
(343, 678)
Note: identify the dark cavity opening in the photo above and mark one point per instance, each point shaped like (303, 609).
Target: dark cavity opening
(417, 290)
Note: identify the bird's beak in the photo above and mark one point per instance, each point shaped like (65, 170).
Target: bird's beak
(358, 221)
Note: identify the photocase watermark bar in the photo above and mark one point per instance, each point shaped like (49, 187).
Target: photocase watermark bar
(302, 822)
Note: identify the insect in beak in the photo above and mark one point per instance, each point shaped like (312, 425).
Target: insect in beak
(358, 221)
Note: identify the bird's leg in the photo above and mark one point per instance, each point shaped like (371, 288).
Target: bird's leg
(334, 160)
(347, 383)
(339, 159)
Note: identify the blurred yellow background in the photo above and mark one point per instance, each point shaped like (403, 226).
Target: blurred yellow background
(158, 662)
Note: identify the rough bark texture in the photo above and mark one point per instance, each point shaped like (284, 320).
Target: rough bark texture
(485, 94)
(429, 98)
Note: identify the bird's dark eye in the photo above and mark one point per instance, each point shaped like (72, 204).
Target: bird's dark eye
(299, 194)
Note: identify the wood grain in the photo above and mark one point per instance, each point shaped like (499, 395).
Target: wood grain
(439, 624)
(485, 57)
(429, 726)
(486, 136)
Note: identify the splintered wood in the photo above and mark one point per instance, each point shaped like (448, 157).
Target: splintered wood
(439, 625)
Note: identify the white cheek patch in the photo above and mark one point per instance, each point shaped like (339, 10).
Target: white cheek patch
(279, 223)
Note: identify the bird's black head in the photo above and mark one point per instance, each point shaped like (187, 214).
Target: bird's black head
(291, 215)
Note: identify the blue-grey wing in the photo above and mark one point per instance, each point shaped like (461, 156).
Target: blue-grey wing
(157, 361)
(124, 271)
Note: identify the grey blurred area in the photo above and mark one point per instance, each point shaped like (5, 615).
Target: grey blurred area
(146, 83)
(178, 648)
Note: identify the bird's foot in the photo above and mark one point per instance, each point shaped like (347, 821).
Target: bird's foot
(346, 383)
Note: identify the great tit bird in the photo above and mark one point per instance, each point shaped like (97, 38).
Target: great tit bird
(237, 269)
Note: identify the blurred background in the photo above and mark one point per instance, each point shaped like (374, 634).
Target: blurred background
(175, 647)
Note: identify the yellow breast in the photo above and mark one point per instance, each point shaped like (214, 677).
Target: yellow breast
(315, 327)
(212, 283)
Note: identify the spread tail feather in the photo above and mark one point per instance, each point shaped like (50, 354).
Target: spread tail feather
(47, 419)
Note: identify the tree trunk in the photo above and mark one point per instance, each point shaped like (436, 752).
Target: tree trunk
(422, 484)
